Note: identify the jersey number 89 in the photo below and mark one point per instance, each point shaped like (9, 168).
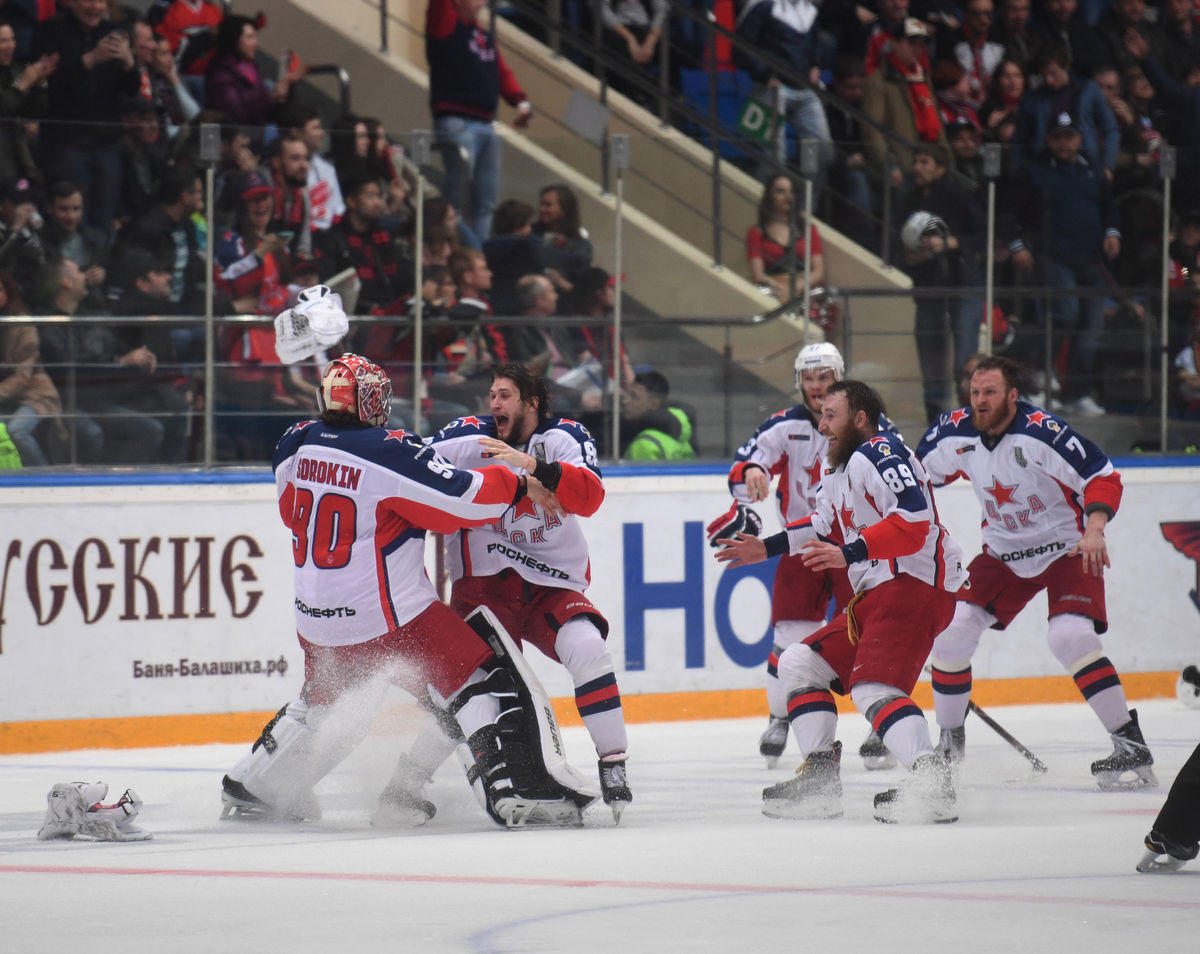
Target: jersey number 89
(898, 478)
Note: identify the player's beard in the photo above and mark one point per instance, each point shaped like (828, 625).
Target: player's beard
(988, 421)
(845, 444)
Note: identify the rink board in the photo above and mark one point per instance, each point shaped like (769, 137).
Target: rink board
(163, 610)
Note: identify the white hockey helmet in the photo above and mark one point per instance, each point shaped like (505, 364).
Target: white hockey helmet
(918, 225)
(819, 355)
(353, 385)
(1188, 687)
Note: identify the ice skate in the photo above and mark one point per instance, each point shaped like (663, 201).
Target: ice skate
(1129, 765)
(237, 802)
(875, 755)
(402, 804)
(927, 796)
(614, 784)
(814, 792)
(952, 745)
(1163, 854)
(773, 740)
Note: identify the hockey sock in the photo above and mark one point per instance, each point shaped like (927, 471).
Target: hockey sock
(813, 718)
(584, 654)
(787, 632)
(1101, 687)
(896, 719)
(431, 747)
(1073, 640)
(951, 696)
(599, 703)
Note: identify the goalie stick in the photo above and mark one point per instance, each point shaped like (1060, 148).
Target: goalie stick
(1039, 767)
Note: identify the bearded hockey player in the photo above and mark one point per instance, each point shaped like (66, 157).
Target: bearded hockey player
(531, 566)
(788, 444)
(874, 515)
(358, 499)
(1047, 493)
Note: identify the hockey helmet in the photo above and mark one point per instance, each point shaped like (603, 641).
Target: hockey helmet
(1188, 687)
(918, 225)
(353, 385)
(819, 355)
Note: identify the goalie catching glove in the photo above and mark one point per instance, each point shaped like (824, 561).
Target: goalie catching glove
(74, 808)
(737, 519)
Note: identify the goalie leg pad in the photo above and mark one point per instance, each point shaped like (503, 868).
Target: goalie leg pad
(296, 749)
(524, 736)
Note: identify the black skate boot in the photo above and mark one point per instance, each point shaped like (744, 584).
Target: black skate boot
(1129, 765)
(875, 755)
(814, 792)
(1163, 854)
(773, 740)
(614, 784)
(952, 745)
(402, 804)
(239, 802)
(926, 797)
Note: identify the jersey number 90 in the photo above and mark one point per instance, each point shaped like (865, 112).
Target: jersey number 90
(328, 530)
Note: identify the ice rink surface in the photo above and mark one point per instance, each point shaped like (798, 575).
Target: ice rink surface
(1035, 863)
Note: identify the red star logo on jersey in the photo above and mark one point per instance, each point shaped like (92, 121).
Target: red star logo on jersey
(782, 413)
(846, 514)
(876, 441)
(1002, 493)
(525, 508)
(396, 435)
(957, 417)
(814, 473)
(1037, 417)
(472, 420)
(567, 420)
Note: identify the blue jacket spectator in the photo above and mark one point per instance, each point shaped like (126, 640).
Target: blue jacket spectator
(1082, 100)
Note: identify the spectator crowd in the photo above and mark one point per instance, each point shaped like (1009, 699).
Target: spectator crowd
(102, 206)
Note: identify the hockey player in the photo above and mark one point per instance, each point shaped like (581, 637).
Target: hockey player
(905, 569)
(358, 499)
(531, 566)
(789, 444)
(1047, 493)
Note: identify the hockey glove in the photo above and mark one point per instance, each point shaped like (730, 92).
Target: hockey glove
(737, 519)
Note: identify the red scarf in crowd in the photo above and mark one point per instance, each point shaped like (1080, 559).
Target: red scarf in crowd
(924, 106)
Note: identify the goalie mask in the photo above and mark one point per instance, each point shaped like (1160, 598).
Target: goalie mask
(814, 357)
(353, 385)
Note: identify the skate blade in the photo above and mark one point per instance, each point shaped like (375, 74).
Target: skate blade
(772, 760)
(879, 763)
(898, 810)
(528, 813)
(618, 808)
(1128, 780)
(241, 812)
(806, 809)
(1154, 863)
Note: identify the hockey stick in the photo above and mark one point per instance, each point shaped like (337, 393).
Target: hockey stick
(1039, 767)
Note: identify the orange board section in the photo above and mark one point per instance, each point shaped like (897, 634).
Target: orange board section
(244, 727)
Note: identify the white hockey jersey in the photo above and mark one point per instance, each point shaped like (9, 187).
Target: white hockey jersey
(882, 479)
(789, 445)
(1035, 482)
(358, 502)
(543, 548)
